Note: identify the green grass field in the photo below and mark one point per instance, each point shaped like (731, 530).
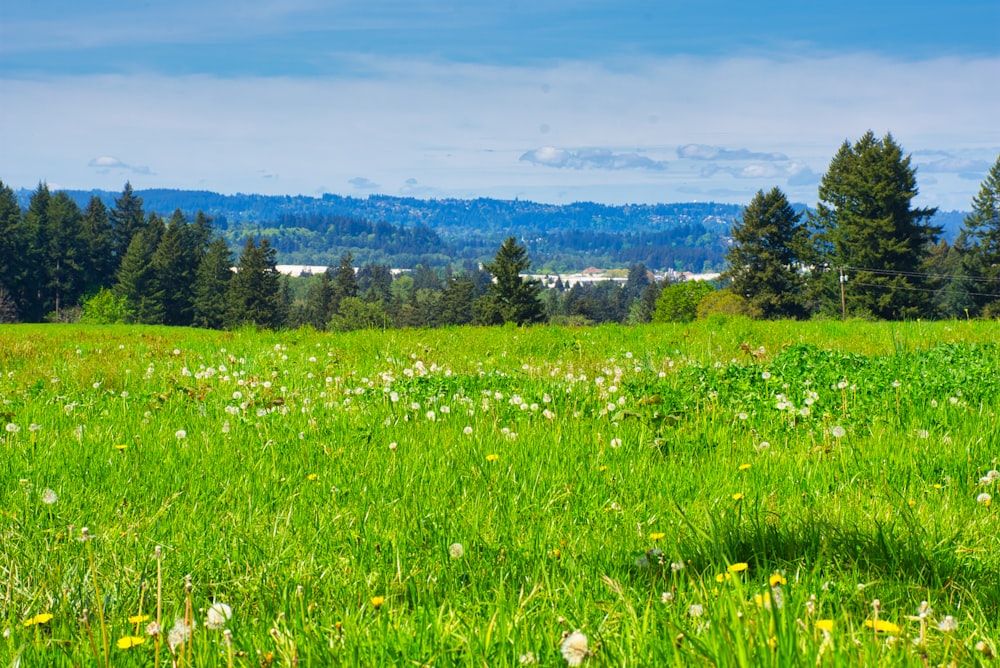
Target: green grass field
(725, 493)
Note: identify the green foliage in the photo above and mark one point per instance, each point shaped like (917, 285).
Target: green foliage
(356, 313)
(865, 224)
(471, 496)
(768, 256)
(209, 300)
(678, 302)
(106, 308)
(724, 302)
(979, 246)
(254, 292)
(510, 298)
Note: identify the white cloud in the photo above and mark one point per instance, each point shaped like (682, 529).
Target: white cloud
(473, 130)
(704, 152)
(590, 158)
(106, 163)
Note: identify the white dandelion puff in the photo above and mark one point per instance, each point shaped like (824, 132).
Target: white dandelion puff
(217, 616)
(574, 648)
(456, 551)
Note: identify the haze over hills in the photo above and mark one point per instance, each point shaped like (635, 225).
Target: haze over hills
(404, 231)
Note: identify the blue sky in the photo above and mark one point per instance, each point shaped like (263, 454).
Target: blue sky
(607, 100)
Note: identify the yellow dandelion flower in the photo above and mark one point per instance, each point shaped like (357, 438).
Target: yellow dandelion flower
(744, 467)
(38, 619)
(656, 536)
(492, 457)
(121, 447)
(129, 642)
(772, 642)
(824, 625)
(762, 600)
(882, 626)
(776, 579)
(738, 567)
(603, 468)
(311, 476)
(737, 496)
(138, 619)
(377, 601)
(722, 577)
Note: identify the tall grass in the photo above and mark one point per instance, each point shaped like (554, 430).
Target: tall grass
(722, 493)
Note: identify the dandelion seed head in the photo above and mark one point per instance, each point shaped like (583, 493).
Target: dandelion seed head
(49, 497)
(217, 616)
(456, 551)
(575, 648)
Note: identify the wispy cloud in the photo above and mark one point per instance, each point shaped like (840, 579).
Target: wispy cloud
(706, 152)
(362, 183)
(105, 164)
(590, 158)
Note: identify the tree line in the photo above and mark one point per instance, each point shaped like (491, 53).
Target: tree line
(864, 251)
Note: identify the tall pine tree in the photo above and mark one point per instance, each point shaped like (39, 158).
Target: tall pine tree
(765, 260)
(254, 296)
(511, 298)
(866, 227)
(211, 286)
(979, 243)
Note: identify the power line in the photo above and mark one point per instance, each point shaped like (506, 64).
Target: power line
(918, 274)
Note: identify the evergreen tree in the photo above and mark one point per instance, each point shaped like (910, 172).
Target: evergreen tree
(65, 254)
(254, 295)
(12, 245)
(174, 266)
(979, 242)
(30, 289)
(765, 260)
(375, 283)
(345, 282)
(99, 240)
(458, 300)
(127, 220)
(211, 284)
(319, 301)
(511, 298)
(866, 227)
(136, 278)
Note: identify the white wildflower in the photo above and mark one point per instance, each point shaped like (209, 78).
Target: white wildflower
(217, 616)
(574, 648)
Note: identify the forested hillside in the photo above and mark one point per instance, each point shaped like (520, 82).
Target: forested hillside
(404, 232)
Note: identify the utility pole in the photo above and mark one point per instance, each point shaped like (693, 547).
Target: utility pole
(843, 299)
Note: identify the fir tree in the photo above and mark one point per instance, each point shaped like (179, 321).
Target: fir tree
(99, 240)
(866, 227)
(174, 264)
(136, 278)
(765, 260)
(254, 296)
(127, 220)
(64, 255)
(345, 282)
(979, 243)
(211, 286)
(12, 244)
(510, 298)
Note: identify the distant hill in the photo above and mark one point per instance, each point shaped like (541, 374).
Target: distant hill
(404, 231)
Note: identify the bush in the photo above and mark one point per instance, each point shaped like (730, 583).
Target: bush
(105, 308)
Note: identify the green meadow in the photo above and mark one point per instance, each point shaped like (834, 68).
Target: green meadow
(722, 493)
